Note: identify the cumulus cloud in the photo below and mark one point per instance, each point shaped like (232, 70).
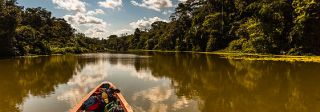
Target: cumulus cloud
(156, 5)
(145, 23)
(81, 18)
(96, 27)
(97, 31)
(123, 32)
(95, 12)
(71, 5)
(111, 4)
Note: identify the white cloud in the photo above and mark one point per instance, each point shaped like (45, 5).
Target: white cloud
(183, 0)
(145, 23)
(123, 32)
(96, 27)
(71, 5)
(95, 12)
(81, 18)
(111, 4)
(97, 31)
(156, 5)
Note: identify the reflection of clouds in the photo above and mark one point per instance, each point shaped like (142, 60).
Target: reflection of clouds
(154, 107)
(90, 74)
(155, 94)
(72, 96)
(181, 103)
(83, 81)
(158, 98)
(158, 107)
(144, 74)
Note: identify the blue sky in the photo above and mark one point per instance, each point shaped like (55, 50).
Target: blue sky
(101, 18)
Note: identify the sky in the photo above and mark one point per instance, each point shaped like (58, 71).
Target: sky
(101, 18)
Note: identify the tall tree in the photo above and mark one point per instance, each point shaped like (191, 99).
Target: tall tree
(135, 39)
(9, 19)
(305, 32)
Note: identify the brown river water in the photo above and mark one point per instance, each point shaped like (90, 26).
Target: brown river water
(161, 82)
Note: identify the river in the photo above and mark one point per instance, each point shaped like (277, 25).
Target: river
(161, 82)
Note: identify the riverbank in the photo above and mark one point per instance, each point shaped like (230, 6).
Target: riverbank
(268, 57)
(225, 54)
(248, 56)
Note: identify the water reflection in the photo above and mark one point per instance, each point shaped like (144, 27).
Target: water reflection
(160, 82)
(85, 79)
(238, 85)
(31, 76)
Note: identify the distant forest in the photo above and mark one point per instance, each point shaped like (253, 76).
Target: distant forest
(251, 26)
(34, 31)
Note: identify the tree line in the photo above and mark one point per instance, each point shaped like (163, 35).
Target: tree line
(35, 31)
(251, 26)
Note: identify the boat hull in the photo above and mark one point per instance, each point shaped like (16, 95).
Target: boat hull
(122, 100)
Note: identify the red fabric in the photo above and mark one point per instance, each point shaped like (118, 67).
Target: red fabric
(94, 106)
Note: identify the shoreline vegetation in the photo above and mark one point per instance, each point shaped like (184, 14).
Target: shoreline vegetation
(248, 56)
(268, 57)
(250, 28)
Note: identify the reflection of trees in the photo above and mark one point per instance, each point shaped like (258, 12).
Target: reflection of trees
(35, 76)
(239, 85)
(139, 62)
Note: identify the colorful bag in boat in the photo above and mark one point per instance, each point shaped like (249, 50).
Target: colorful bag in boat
(104, 96)
(117, 108)
(114, 107)
(107, 86)
(92, 103)
(110, 93)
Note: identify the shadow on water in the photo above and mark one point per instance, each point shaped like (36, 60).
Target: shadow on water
(214, 83)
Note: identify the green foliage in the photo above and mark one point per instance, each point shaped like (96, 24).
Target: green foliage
(116, 43)
(66, 50)
(9, 19)
(35, 31)
(237, 45)
(253, 31)
(255, 26)
(305, 32)
(26, 37)
(135, 39)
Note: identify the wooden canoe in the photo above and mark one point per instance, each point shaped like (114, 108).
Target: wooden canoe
(123, 102)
